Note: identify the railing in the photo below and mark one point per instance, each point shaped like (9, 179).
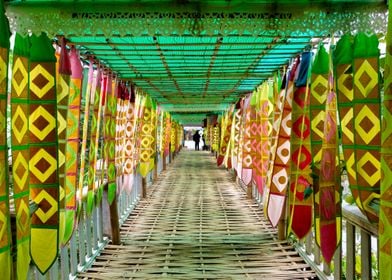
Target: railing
(355, 258)
(91, 236)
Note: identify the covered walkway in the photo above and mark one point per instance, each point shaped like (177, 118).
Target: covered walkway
(196, 223)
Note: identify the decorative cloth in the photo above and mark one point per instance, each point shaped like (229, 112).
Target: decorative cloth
(326, 173)
(20, 99)
(385, 224)
(300, 198)
(44, 159)
(281, 168)
(63, 76)
(72, 155)
(5, 231)
(247, 167)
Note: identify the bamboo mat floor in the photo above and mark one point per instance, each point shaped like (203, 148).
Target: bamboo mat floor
(197, 224)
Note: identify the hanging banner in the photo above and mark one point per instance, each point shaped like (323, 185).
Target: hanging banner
(72, 144)
(281, 168)
(95, 111)
(147, 139)
(266, 110)
(367, 124)
(385, 225)
(5, 231)
(130, 140)
(63, 77)
(225, 139)
(255, 139)
(246, 171)
(154, 135)
(44, 177)
(279, 93)
(325, 165)
(120, 136)
(236, 132)
(300, 195)
(20, 153)
(110, 132)
(85, 94)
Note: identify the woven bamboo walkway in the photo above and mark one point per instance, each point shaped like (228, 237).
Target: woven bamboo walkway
(197, 224)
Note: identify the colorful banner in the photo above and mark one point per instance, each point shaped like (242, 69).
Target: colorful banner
(20, 152)
(236, 132)
(5, 231)
(279, 94)
(367, 124)
(281, 167)
(326, 177)
(300, 195)
(130, 141)
(147, 139)
(72, 155)
(225, 139)
(110, 133)
(385, 225)
(266, 123)
(63, 74)
(247, 167)
(44, 177)
(95, 111)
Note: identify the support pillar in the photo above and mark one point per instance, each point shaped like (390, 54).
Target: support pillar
(144, 187)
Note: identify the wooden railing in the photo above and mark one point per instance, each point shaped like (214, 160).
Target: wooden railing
(355, 258)
(93, 233)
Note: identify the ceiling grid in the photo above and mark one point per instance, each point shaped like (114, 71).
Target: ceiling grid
(195, 57)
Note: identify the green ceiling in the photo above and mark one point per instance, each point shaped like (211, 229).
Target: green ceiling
(185, 54)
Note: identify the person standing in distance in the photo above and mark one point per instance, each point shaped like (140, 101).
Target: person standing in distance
(196, 138)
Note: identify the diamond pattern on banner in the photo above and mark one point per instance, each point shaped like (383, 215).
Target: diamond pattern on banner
(19, 77)
(43, 165)
(21, 156)
(367, 136)
(19, 123)
(385, 223)
(42, 123)
(278, 187)
(44, 215)
(20, 170)
(42, 82)
(367, 124)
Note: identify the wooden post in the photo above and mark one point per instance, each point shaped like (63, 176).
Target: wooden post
(282, 224)
(309, 243)
(144, 187)
(156, 167)
(164, 162)
(350, 251)
(366, 255)
(170, 154)
(114, 222)
(249, 191)
(337, 261)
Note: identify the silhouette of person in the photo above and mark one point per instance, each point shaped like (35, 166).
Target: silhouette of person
(196, 138)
